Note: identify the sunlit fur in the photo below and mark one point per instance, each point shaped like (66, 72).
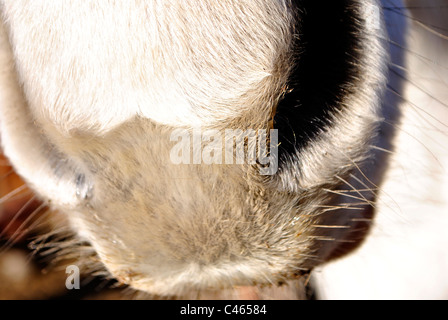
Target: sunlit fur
(90, 93)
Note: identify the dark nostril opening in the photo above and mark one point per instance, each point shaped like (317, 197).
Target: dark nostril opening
(326, 52)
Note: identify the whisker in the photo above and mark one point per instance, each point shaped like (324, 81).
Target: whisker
(361, 220)
(394, 67)
(341, 205)
(22, 228)
(419, 141)
(428, 27)
(13, 193)
(382, 149)
(330, 239)
(7, 174)
(372, 203)
(330, 227)
(343, 194)
(408, 50)
(345, 208)
(16, 216)
(422, 90)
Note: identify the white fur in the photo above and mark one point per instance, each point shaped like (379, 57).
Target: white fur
(122, 49)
